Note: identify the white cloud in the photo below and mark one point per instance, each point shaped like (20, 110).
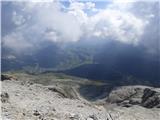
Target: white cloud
(18, 19)
(52, 36)
(28, 0)
(82, 6)
(16, 42)
(114, 22)
(90, 5)
(127, 1)
(117, 25)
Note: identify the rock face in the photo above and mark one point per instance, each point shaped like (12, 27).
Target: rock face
(37, 102)
(151, 98)
(7, 77)
(23, 101)
(65, 93)
(135, 95)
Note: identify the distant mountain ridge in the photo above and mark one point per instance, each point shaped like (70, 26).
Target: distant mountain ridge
(112, 62)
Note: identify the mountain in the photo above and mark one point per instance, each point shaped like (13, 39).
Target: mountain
(49, 57)
(53, 96)
(111, 62)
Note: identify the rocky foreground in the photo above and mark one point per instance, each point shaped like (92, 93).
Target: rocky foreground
(25, 100)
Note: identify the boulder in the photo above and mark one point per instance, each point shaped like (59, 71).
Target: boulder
(7, 77)
(92, 117)
(36, 113)
(4, 97)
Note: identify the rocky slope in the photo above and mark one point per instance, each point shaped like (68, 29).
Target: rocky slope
(25, 100)
(33, 102)
(135, 95)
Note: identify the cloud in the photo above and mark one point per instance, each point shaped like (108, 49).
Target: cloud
(39, 22)
(17, 19)
(114, 22)
(16, 42)
(132, 1)
(82, 6)
(32, 22)
(117, 25)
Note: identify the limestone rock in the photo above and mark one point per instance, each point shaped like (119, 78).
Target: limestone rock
(7, 77)
(135, 95)
(4, 97)
(150, 98)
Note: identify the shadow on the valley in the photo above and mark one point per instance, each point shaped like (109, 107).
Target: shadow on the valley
(112, 75)
(111, 78)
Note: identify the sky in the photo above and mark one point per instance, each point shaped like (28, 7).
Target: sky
(28, 25)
